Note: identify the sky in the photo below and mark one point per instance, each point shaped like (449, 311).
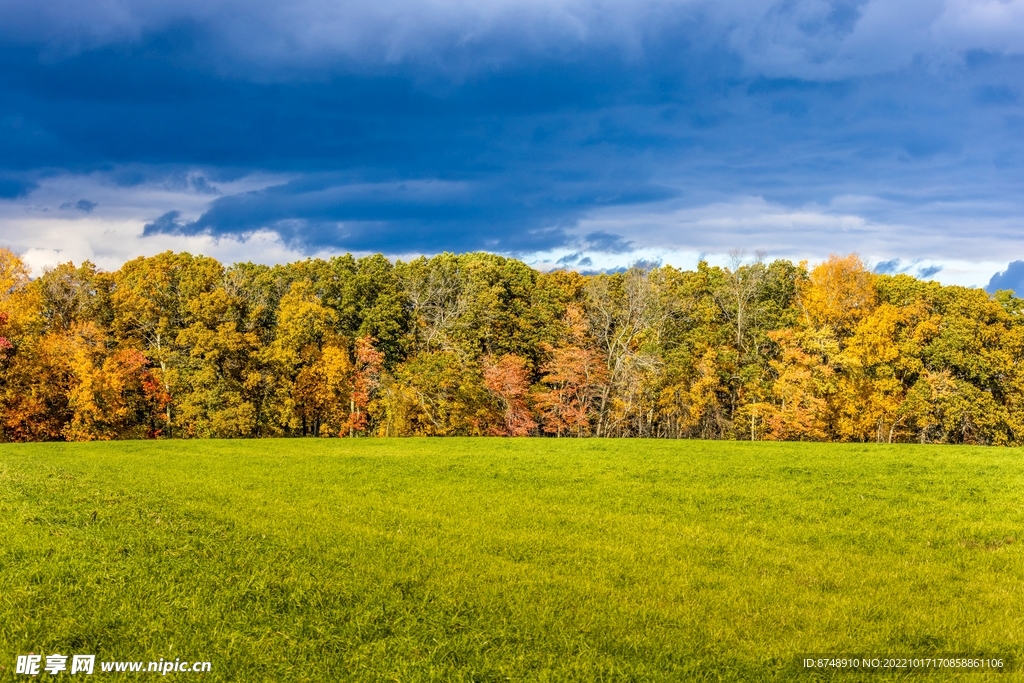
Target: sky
(586, 134)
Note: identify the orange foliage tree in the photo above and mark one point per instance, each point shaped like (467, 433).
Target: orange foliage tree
(5, 343)
(508, 379)
(365, 381)
(573, 380)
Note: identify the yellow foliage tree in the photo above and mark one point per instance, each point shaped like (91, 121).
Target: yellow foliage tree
(323, 390)
(803, 381)
(105, 386)
(838, 294)
(691, 407)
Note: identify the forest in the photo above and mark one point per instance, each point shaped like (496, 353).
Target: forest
(182, 346)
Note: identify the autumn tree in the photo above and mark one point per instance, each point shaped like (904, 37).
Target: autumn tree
(436, 393)
(508, 379)
(177, 345)
(304, 332)
(437, 301)
(690, 406)
(574, 380)
(742, 286)
(838, 294)
(218, 375)
(107, 388)
(366, 379)
(33, 400)
(323, 392)
(70, 295)
(625, 319)
(695, 397)
(804, 379)
(5, 343)
(150, 307)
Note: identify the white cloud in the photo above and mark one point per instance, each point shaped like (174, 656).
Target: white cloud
(109, 244)
(962, 247)
(995, 25)
(111, 233)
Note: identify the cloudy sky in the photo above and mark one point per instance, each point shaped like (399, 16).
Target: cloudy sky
(586, 133)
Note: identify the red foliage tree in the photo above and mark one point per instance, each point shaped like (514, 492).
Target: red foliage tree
(365, 380)
(509, 380)
(575, 376)
(5, 344)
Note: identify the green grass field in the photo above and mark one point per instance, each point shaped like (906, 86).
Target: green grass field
(494, 560)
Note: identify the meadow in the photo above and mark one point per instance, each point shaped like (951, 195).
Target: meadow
(508, 559)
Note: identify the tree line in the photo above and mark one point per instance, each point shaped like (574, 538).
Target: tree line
(181, 346)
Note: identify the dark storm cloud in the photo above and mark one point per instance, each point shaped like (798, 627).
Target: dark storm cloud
(890, 267)
(508, 159)
(408, 126)
(1012, 278)
(608, 242)
(83, 205)
(327, 210)
(167, 224)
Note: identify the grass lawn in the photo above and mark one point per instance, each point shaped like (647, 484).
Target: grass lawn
(492, 560)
